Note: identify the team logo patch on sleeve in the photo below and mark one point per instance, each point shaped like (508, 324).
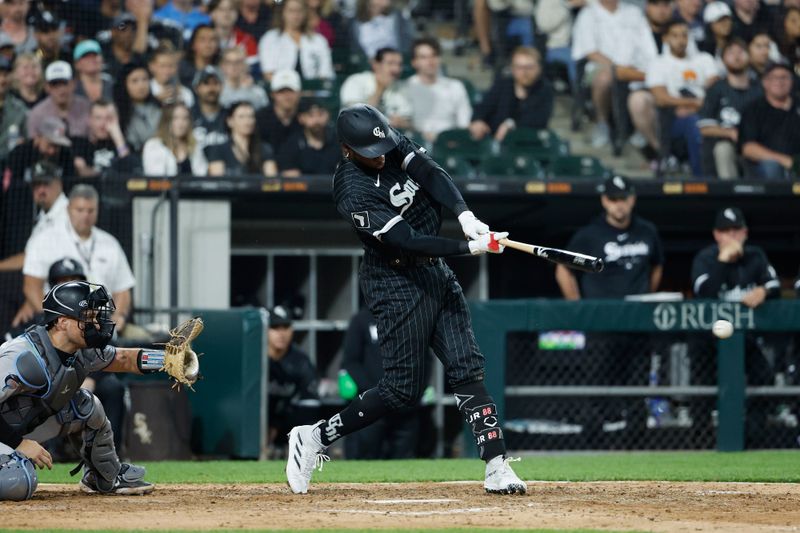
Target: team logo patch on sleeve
(361, 219)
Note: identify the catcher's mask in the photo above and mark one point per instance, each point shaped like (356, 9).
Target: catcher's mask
(87, 303)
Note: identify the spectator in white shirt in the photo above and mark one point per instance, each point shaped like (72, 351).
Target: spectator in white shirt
(438, 103)
(554, 19)
(164, 83)
(174, 150)
(293, 41)
(607, 33)
(97, 251)
(378, 24)
(380, 88)
(679, 82)
(239, 84)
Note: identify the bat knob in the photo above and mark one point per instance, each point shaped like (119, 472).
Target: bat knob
(598, 265)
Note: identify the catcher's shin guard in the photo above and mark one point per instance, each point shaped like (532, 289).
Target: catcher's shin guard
(98, 452)
(480, 412)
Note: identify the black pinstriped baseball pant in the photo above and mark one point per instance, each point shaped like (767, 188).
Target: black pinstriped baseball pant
(417, 308)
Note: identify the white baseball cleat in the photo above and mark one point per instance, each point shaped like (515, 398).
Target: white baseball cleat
(501, 479)
(306, 453)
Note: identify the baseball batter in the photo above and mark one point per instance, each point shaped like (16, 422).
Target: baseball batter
(40, 396)
(392, 193)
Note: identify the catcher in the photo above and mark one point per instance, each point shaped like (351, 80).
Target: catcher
(40, 375)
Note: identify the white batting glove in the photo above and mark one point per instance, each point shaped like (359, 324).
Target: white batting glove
(471, 226)
(488, 242)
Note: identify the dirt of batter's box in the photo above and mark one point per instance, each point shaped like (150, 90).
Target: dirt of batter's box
(640, 506)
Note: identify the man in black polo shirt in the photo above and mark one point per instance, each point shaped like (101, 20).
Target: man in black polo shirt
(314, 150)
(629, 245)
(770, 129)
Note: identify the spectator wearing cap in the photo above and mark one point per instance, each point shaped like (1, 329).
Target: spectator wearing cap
(165, 85)
(254, 17)
(201, 52)
(239, 84)
(294, 42)
(731, 270)
(184, 14)
(380, 87)
(749, 18)
(610, 34)
(293, 381)
(12, 113)
(770, 129)
(524, 100)
(27, 80)
(139, 111)
(245, 154)
(691, 12)
(129, 42)
(105, 147)
(49, 38)
(174, 150)
(92, 82)
(717, 16)
(92, 18)
(278, 121)
(439, 103)
(48, 141)
(223, 15)
(61, 101)
(678, 82)
(628, 244)
(14, 25)
(7, 47)
(722, 109)
(50, 205)
(208, 116)
(314, 150)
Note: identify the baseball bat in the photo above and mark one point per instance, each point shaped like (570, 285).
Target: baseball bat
(586, 263)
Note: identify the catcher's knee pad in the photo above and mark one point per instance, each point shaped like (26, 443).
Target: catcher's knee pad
(18, 479)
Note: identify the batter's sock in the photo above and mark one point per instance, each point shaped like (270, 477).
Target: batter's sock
(480, 412)
(362, 411)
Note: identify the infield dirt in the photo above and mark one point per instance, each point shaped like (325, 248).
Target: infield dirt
(640, 506)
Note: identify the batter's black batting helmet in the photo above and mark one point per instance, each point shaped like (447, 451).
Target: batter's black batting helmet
(366, 130)
(88, 303)
(66, 269)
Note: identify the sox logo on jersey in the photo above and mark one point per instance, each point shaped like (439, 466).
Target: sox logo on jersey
(403, 197)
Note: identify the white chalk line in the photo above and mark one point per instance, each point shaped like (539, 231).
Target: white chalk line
(416, 513)
(412, 501)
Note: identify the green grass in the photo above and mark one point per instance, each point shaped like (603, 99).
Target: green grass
(766, 466)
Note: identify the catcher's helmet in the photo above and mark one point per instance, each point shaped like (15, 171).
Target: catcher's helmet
(65, 268)
(366, 130)
(89, 304)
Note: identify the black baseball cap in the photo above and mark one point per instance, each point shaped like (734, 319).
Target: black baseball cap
(730, 217)
(279, 316)
(772, 65)
(65, 268)
(45, 171)
(208, 72)
(44, 21)
(617, 187)
(366, 130)
(5, 64)
(121, 21)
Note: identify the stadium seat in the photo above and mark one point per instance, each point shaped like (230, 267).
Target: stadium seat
(577, 167)
(518, 166)
(522, 140)
(460, 143)
(475, 96)
(457, 166)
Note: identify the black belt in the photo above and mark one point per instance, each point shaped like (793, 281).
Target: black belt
(410, 261)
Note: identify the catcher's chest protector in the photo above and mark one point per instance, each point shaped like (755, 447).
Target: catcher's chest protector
(24, 412)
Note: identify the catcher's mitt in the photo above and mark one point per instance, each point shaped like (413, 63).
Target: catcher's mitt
(180, 361)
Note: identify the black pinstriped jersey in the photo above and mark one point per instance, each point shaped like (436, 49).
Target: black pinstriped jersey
(373, 202)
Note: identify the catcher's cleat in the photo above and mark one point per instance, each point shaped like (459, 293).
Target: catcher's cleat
(306, 453)
(501, 479)
(129, 482)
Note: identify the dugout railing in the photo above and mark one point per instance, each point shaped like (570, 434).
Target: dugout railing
(727, 394)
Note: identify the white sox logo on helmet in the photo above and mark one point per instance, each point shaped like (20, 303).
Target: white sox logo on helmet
(378, 132)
